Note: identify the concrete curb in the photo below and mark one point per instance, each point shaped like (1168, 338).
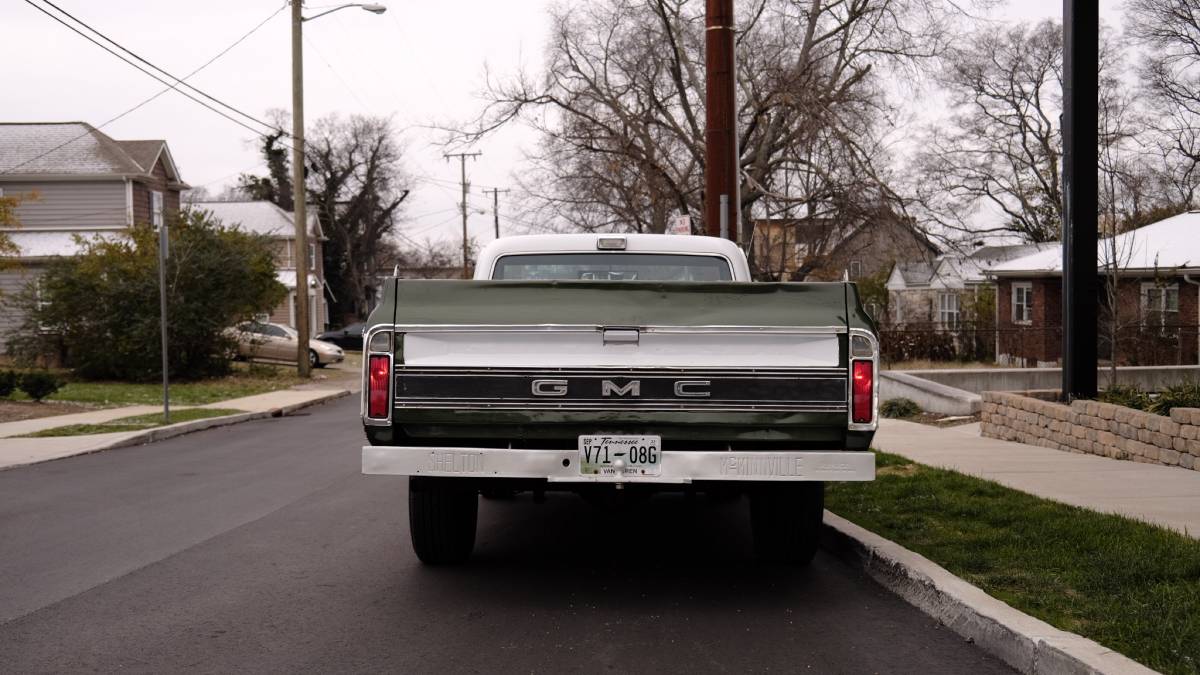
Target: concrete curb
(173, 430)
(1030, 645)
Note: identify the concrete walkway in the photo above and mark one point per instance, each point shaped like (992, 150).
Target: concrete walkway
(1162, 495)
(25, 427)
(22, 451)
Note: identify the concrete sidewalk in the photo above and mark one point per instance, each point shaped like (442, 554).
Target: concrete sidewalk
(1162, 495)
(21, 451)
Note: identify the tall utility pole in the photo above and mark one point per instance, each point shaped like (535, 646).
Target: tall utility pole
(300, 212)
(163, 252)
(720, 133)
(1081, 26)
(466, 188)
(496, 192)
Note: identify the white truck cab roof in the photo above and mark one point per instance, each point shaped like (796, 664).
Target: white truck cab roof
(618, 243)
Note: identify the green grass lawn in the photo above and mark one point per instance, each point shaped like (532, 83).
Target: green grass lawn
(257, 379)
(134, 423)
(1130, 586)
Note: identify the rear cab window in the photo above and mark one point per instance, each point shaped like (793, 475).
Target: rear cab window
(611, 267)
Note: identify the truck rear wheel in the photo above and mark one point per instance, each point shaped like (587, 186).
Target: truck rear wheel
(441, 518)
(786, 520)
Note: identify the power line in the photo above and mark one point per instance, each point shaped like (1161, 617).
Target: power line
(430, 213)
(336, 74)
(435, 226)
(236, 121)
(141, 59)
(172, 87)
(444, 181)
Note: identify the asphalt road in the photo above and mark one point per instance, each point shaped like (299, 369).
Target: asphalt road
(260, 548)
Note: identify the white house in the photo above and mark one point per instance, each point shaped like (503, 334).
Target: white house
(267, 219)
(932, 293)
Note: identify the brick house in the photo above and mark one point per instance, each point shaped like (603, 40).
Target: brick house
(75, 180)
(267, 219)
(807, 249)
(1155, 272)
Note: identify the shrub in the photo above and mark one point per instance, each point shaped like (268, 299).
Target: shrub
(898, 408)
(1179, 396)
(8, 383)
(1125, 395)
(38, 385)
(102, 306)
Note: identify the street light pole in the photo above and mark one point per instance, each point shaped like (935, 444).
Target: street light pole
(299, 196)
(299, 191)
(1081, 25)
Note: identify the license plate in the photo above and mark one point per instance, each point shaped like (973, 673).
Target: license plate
(620, 455)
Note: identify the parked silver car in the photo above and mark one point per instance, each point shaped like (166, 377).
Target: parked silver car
(276, 342)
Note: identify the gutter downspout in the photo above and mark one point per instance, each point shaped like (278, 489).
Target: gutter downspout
(1188, 278)
(128, 202)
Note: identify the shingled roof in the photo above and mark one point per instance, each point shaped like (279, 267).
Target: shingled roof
(75, 149)
(1169, 244)
(259, 217)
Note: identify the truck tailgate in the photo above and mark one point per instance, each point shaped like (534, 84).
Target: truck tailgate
(482, 324)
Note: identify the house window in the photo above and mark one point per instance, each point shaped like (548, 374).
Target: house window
(948, 314)
(40, 303)
(1022, 303)
(856, 269)
(312, 257)
(156, 209)
(1160, 304)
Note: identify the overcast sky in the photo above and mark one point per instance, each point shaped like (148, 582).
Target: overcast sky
(420, 62)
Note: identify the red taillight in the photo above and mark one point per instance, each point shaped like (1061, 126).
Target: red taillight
(377, 387)
(862, 405)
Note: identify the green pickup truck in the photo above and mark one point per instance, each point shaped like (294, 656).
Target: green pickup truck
(615, 366)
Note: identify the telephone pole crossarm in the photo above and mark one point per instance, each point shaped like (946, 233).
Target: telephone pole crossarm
(466, 188)
(496, 192)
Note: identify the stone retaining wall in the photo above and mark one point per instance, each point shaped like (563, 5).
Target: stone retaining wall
(1095, 428)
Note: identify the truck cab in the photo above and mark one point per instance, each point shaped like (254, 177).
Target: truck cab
(613, 364)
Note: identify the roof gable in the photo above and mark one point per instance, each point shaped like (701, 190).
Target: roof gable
(77, 149)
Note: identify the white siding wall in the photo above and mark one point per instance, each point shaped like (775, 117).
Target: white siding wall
(12, 283)
(69, 205)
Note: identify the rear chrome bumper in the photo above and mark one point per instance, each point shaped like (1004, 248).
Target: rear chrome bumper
(562, 466)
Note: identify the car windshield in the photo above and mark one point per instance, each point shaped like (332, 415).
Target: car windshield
(612, 267)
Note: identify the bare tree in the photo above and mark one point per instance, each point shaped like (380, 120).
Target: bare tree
(355, 182)
(620, 108)
(1002, 145)
(1168, 31)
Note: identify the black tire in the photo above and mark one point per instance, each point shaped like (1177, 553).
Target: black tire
(314, 361)
(786, 520)
(441, 518)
